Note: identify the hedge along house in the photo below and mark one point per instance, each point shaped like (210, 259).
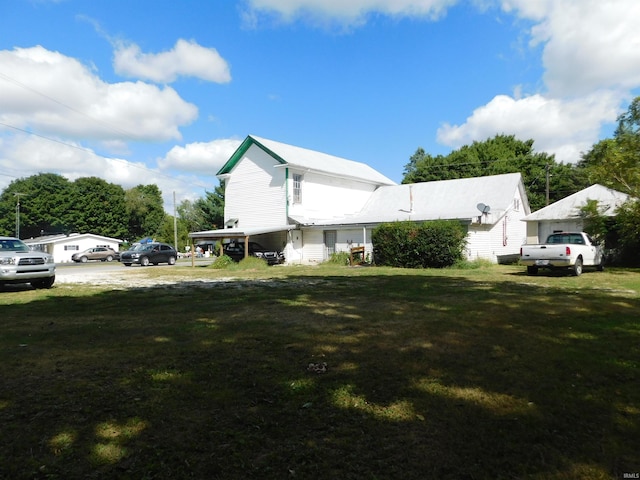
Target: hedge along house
(311, 204)
(564, 215)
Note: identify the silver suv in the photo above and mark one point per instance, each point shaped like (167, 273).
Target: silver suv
(19, 264)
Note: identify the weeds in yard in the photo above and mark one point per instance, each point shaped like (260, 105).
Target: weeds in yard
(482, 373)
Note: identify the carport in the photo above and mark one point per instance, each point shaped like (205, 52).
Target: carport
(235, 233)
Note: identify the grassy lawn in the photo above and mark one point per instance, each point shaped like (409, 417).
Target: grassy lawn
(431, 374)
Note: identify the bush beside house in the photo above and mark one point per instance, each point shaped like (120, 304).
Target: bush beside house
(433, 244)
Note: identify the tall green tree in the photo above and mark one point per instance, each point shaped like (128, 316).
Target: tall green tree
(46, 206)
(615, 162)
(145, 211)
(99, 207)
(212, 208)
(498, 155)
(204, 213)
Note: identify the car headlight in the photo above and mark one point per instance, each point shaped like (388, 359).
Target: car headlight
(50, 259)
(7, 261)
(135, 255)
(259, 254)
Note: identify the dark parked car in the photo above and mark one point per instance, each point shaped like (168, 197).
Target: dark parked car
(104, 254)
(235, 250)
(146, 253)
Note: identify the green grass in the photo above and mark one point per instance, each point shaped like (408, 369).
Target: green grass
(480, 373)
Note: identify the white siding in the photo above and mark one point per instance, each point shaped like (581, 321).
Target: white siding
(325, 197)
(547, 228)
(256, 192)
(294, 250)
(313, 250)
(500, 240)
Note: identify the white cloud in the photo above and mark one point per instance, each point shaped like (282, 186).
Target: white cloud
(562, 127)
(591, 60)
(186, 59)
(200, 157)
(56, 95)
(352, 12)
(588, 44)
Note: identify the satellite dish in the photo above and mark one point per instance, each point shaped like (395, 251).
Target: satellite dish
(483, 208)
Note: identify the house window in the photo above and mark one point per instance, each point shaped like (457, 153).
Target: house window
(516, 204)
(297, 188)
(71, 247)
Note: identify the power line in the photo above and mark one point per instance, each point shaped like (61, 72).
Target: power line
(68, 107)
(86, 150)
(91, 152)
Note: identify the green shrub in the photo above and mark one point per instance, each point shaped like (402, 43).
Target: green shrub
(252, 263)
(465, 264)
(338, 258)
(222, 262)
(434, 244)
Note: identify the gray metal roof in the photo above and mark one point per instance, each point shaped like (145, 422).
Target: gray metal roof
(569, 207)
(306, 159)
(444, 199)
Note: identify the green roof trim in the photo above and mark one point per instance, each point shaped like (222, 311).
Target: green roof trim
(241, 150)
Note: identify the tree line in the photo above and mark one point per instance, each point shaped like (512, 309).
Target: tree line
(48, 204)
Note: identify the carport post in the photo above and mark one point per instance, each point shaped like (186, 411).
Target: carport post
(193, 256)
(246, 246)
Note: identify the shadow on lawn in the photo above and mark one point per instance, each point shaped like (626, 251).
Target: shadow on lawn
(428, 377)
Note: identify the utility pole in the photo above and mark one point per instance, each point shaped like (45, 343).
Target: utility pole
(175, 223)
(18, 195)
(548, 169)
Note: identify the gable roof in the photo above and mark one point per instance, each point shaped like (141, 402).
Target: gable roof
(569, 207)
(456, 199)
(47, 239)
(308, 160)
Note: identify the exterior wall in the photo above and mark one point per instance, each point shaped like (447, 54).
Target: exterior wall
(546, 228)
(355, 237)
(326, 197)
(294, 250)
(313, 250)
(256, 191)
(532, 232)
(501, 241)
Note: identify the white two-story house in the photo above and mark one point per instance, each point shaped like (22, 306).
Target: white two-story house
(310, 204)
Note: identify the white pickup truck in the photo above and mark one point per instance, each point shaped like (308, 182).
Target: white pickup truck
(19, 264)
(563, 250)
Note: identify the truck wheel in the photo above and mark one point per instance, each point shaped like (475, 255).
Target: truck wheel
(532, 270)
(577, 268)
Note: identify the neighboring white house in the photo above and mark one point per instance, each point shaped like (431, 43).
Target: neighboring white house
(564, 215)
(63, 246)
(311, 204)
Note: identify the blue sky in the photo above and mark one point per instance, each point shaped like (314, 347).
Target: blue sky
(163, 91)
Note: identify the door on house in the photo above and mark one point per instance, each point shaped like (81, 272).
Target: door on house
(330, 243)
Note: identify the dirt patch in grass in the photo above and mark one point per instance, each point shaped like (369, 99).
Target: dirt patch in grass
(429, 374)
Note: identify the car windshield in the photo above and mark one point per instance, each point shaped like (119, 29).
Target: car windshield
(13, 245)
